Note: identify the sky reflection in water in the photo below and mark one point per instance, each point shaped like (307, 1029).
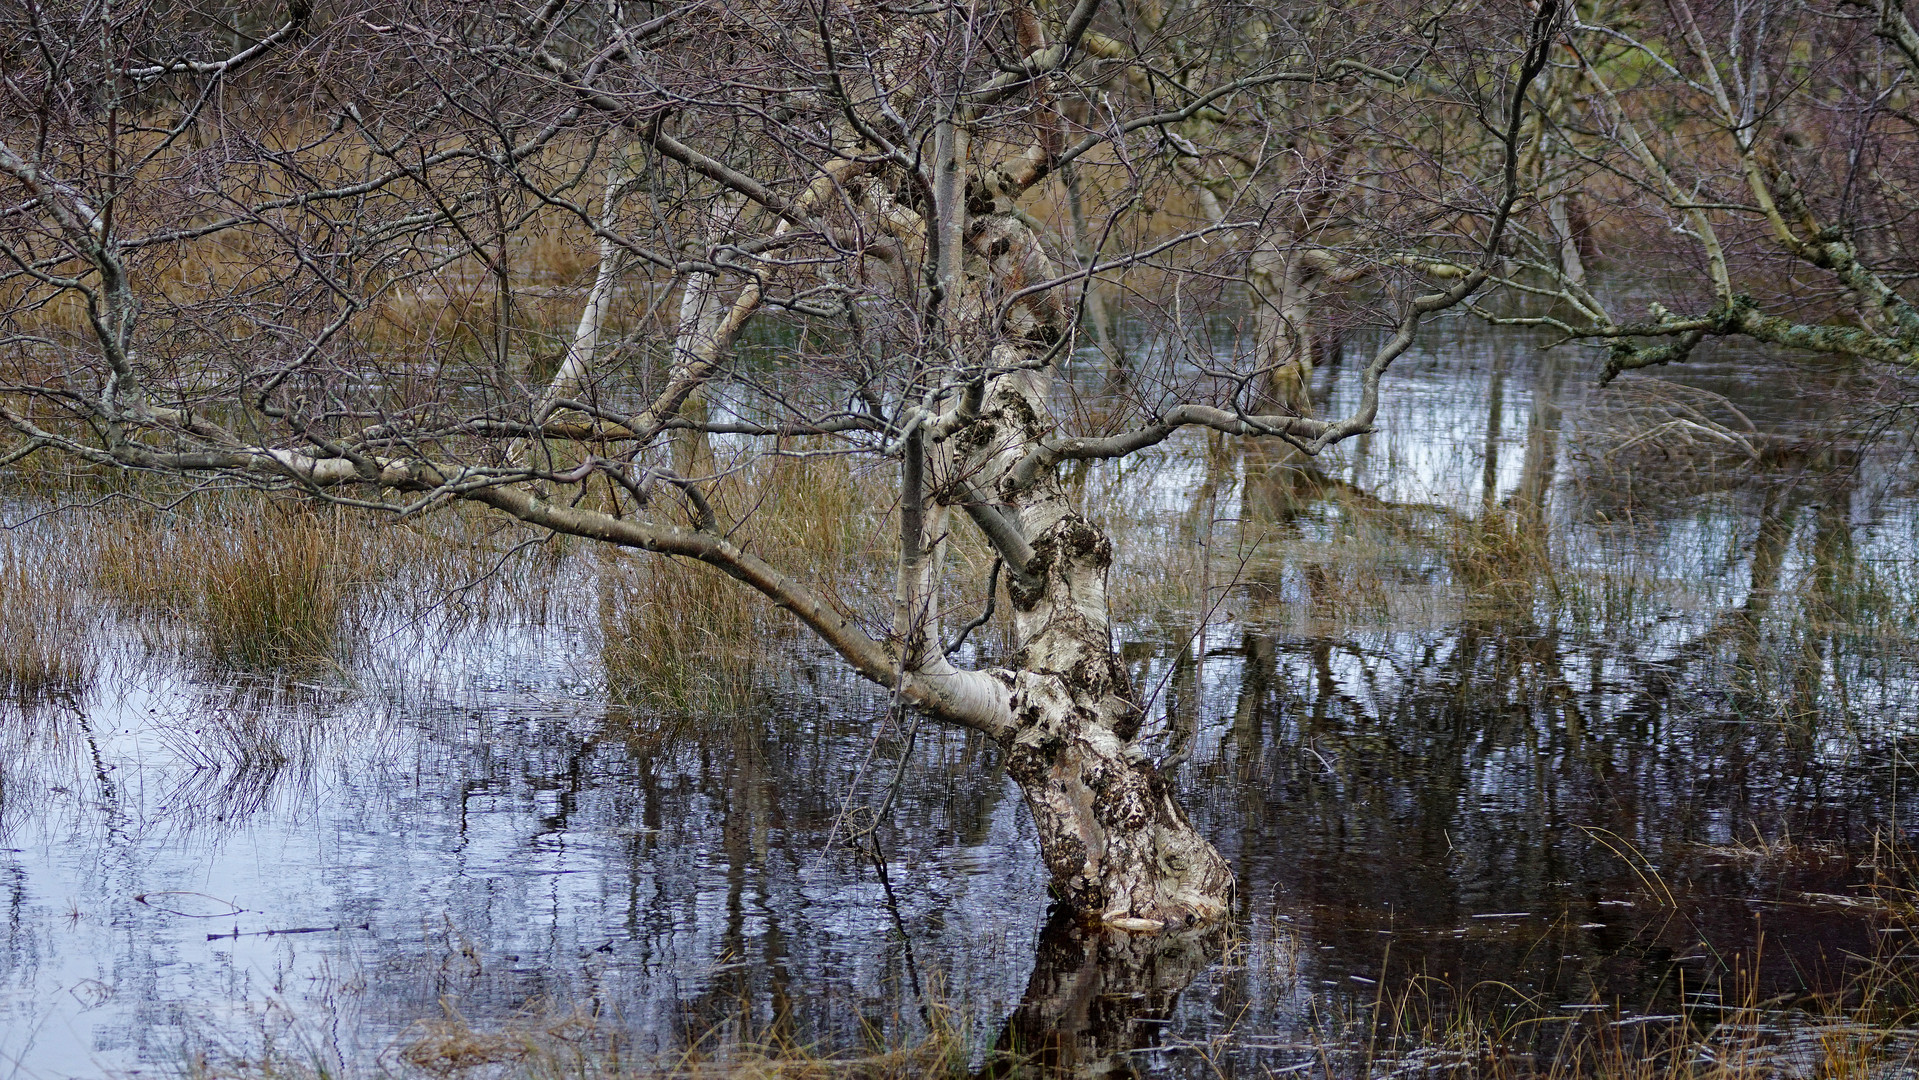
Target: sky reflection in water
(1476, 793)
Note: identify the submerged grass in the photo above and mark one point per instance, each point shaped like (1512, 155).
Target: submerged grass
(1723, 1028)
(1420, 1027)
(1427, 1027)
(576, 1044)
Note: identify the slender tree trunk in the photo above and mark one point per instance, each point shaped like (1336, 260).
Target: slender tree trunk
(701, 312)
(1282, 285)
(577, 365)
(1571, 261)
(1282, 282)
(1097, 311)
(697, 338)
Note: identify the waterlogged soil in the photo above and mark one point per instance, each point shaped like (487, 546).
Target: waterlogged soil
(1663, 783)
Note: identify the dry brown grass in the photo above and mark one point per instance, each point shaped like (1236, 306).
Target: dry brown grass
(47, 622)
(678, 636)
(546, 1043)
(255, 583)
(575, 1045)
(276, 590)
(261, 585)
(1499, 558)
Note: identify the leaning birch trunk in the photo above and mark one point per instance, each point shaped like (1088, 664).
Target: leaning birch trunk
(701, 313)
(1570, 262)
(576, 366)
(696, 338)
(1119, 847)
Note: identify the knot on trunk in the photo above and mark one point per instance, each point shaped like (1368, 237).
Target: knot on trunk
(1069, 566)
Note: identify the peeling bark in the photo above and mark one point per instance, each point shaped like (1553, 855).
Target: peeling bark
(1116, 840)
(1119, 847)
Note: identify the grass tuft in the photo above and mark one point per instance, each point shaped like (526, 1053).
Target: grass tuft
(678, 637)
(46, 622)
(681, 637)
(261, 586)
(276, 593)
(1498, 558)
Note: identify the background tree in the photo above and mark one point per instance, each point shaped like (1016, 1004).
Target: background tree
(1757, 153)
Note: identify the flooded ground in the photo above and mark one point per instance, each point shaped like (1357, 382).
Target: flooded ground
(1513, 695)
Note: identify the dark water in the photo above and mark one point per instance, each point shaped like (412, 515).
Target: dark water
(1610, 789)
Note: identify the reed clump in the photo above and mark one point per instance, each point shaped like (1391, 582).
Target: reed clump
(679, 636)
(276, 593)
(259, 585)
(1499, 557)
(47, 624)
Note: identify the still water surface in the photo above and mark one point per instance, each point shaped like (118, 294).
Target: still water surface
(1592, 800)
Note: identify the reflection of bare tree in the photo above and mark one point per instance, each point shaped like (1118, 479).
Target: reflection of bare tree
(1542, 447)
(1742, 625)
(1256, 682)
(751, 964)
(1495, 408)
(1095, 997)
(1778, 661)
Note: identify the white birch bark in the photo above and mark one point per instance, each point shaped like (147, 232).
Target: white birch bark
(697, 343)
(577, 365)
(1570, 263)
(1282, 280)
(1119, 847)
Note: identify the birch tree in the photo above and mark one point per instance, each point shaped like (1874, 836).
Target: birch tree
(222, 244)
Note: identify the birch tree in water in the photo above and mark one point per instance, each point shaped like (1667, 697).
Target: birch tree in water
(290, 256)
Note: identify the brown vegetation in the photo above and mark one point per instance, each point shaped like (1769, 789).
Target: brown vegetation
(47, 625)
(547, 1044)
(259, 586)
(683, 638)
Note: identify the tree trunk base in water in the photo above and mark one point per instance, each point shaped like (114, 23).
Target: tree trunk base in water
(1120, 849)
